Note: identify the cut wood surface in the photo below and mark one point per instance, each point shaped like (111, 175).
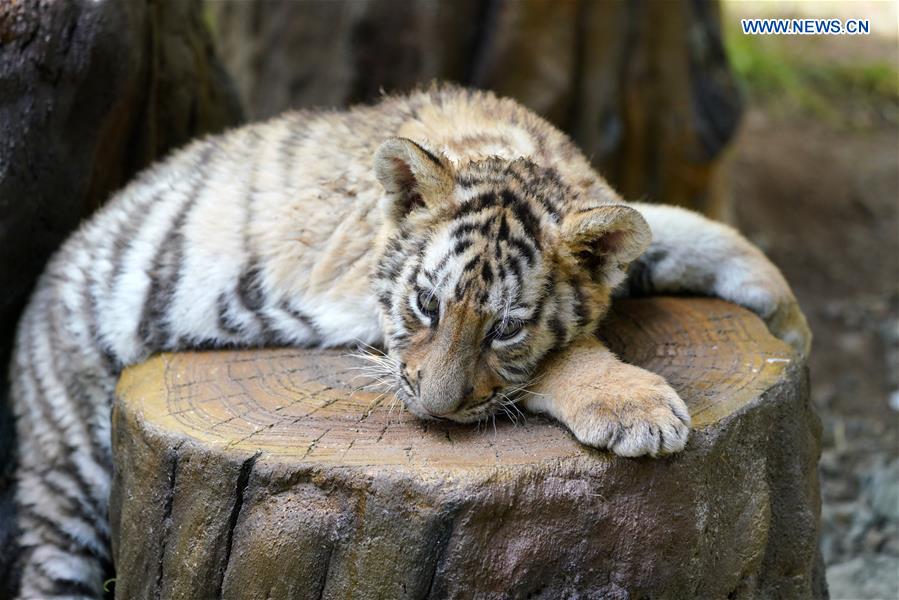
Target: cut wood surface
(309, 405)
(269, 473)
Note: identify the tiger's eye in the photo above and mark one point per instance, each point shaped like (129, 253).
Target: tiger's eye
(507, 330)
(428, 303)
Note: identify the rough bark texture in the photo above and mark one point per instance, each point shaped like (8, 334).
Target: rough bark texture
(644, 88)
(261, 475)
(90, 92)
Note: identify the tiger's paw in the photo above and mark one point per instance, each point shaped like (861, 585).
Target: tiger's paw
(648, 418)
(787, 323)
(778, 308)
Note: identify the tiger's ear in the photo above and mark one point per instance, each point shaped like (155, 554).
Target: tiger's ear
(412, 176)
(605, 239)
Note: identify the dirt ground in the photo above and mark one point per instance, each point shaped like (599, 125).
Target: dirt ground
(823, 205)
(819, 192)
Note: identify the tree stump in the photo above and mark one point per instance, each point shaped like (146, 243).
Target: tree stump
(262, 474)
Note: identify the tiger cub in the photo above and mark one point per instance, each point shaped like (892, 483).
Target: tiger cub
(458, 231)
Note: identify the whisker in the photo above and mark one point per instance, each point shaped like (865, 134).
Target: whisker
(509, 402)
(512, 416)
(375, 376)
(524, 390)
(374, 385)
(373, 405)
(376, 359)
(393, 404)
(369, 347)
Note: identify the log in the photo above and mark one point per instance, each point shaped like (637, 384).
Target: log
(263, 474)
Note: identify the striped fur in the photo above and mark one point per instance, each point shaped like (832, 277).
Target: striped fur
(479, 220)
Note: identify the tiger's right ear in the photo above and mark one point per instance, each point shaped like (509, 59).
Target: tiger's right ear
(605, 238)
(413, 177)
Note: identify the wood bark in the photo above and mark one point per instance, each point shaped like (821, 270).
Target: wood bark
(270, 474)
(644, 88)
(90, 93)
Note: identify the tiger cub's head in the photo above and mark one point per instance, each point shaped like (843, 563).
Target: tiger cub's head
(490, 265)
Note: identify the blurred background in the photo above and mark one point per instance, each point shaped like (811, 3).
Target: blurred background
(814, 179)
(794, 139)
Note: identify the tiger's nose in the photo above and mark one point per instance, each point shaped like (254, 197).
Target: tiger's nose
(465, 401)
(442, 394)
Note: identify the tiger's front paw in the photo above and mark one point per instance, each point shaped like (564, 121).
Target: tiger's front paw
(647, 417)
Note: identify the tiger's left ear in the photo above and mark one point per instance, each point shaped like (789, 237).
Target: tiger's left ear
(605, 239)
(413, 177)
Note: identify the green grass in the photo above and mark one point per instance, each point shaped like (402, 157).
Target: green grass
(786, 75)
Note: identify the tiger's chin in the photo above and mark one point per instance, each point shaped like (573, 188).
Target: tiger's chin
(471, 416)
(466, 414)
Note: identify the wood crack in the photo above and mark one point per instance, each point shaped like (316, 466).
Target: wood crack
(167, 517)
(441, 545)
(326, 574)
(243, 479)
